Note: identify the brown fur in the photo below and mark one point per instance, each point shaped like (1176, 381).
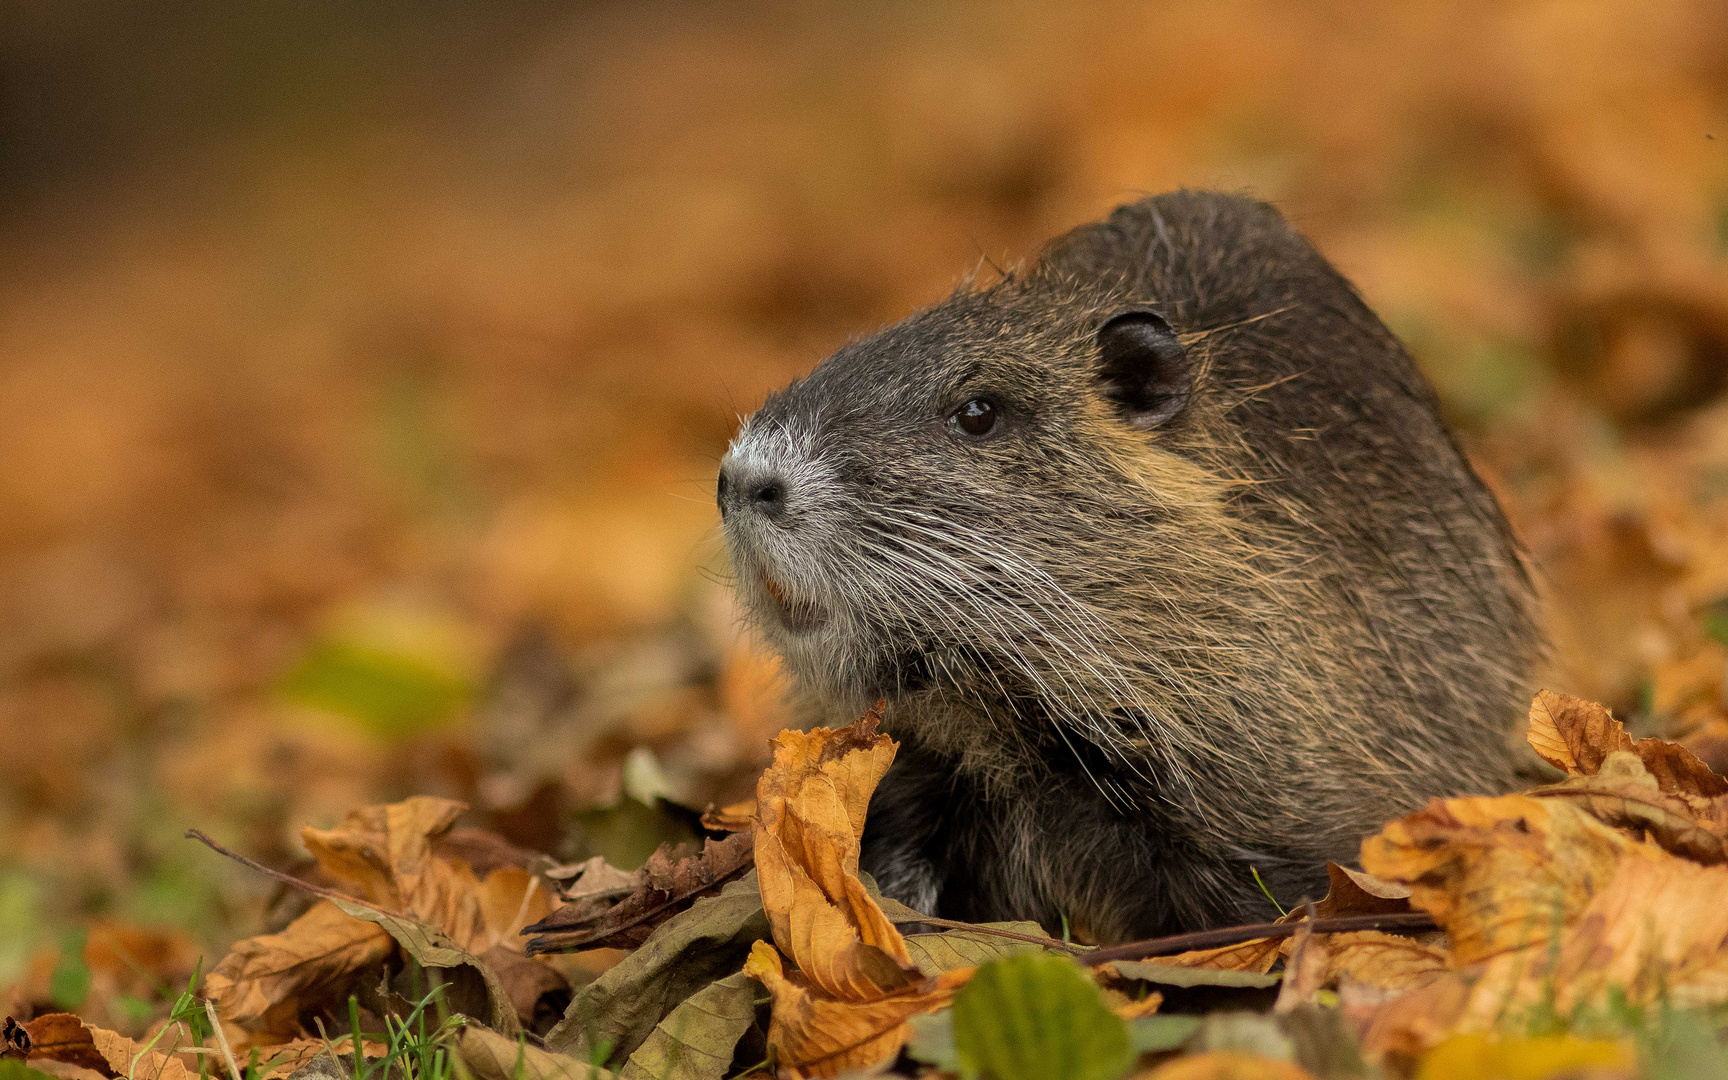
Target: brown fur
(1130, 659)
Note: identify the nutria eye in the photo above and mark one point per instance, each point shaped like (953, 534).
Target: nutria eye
(976, 418)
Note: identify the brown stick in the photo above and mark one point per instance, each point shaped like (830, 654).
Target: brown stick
(1409, 922)
(286, 879)
(992, 931)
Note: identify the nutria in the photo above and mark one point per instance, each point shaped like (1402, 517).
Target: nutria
(1164, 563)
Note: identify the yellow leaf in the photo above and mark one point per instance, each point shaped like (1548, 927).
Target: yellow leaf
(1475, 1057)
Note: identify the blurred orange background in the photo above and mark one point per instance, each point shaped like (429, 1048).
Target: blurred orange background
(363, 369)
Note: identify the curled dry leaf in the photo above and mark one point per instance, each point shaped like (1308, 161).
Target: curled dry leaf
(1386, 961)
(848, 1005)
(1577, 736)
(286, 1059)
(590, 878)
(263, 979)
(812, 801)
(660, 890)
(819, 1035)
(1622, 793)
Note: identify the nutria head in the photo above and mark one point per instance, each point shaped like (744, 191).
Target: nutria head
(1171, 508)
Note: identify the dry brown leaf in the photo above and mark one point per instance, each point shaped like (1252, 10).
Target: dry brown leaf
(1387, 961)
(1622, 793)
(130, 1059)
(385, 856)
(491, 1056)
(1410, 1023)
(1577, 736)
(1616, 945)
(1357, 892)
(1497, 874)
(524, 979)
(812, 801)
(1304, 972)
(595, 875)
(816, 1035)
(63, 1037)
(848, 1005)
(1257, 956)
(264, 978)
(1226, 1065)
(1548, 907)
(285, 1059)
(662, 888)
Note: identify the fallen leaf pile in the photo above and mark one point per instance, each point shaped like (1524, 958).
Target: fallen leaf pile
(1581, 926)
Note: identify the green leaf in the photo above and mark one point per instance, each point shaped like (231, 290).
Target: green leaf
(13, 1069)
(628, 831)
(1245, 1033)
(1685, 1047)
(434, 949)
(1171, 975)
(390, 693)
(932, 1040)
(1155, 1034)
(684, 954)
(1037, 1017)
(696, 1040)
(69, 985)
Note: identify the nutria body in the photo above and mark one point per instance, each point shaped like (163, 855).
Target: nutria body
(1164, 563)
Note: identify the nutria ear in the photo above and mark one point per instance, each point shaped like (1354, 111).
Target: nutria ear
(1143, 368)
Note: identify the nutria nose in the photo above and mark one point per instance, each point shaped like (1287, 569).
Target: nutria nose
(758, 491)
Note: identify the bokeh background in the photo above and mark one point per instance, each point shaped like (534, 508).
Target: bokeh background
(364, 368)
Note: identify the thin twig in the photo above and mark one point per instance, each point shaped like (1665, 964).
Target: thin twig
(286, 879)
(991, 931)
(1409, 922)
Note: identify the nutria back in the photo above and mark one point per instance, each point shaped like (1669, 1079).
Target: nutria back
(1164, 563)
